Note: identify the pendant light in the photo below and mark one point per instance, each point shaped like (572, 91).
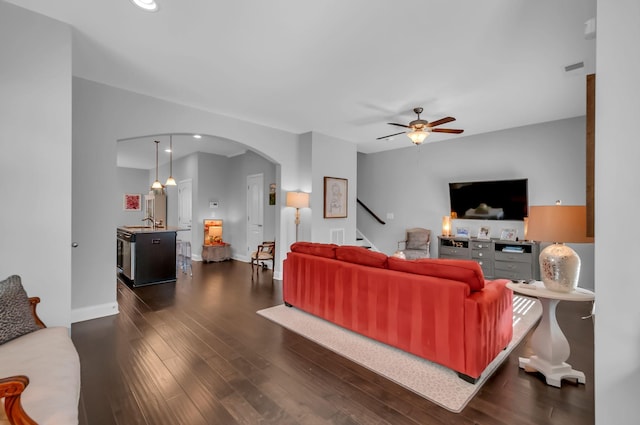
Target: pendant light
(156, 184)
(171, 181)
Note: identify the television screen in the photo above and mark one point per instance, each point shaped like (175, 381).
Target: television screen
(490, 200)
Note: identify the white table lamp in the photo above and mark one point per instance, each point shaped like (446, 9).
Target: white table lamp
(559, 264)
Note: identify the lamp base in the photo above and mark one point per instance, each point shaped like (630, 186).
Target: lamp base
(560, 268)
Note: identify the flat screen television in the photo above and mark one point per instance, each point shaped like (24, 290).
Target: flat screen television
(489, 200)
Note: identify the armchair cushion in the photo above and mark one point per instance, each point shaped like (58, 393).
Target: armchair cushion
(418, 239)
(15, 310)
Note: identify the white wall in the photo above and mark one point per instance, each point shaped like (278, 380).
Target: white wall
(35, 165)
(331, 157)
(101, 116)
(413, 183)
(617, 326)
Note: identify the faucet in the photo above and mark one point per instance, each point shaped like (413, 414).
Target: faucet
(153, 222)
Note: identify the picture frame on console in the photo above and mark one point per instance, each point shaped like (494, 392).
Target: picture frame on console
(462, 232)
(335, 197)
(484, 233)
(509, 234)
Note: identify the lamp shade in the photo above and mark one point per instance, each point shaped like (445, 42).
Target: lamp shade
(558, 223)
(298, 199)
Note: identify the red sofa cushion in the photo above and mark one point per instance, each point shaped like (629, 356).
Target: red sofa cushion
(466, 271)
(327, 250)
(360, 255)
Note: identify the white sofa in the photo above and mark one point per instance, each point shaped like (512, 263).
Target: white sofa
(40, 377)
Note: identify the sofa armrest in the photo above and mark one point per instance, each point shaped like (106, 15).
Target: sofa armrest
(11, 389)
(33, 301)
(487, 312)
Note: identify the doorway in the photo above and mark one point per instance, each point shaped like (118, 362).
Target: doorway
(255, 211)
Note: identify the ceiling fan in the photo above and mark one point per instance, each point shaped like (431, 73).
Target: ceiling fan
(420, 129)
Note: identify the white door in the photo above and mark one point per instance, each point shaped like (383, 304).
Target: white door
(255, 202)
(185, 209)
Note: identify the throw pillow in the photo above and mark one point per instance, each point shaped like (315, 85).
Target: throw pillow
(467, 271)
(327, 250)
(15, 311)
(360, 255)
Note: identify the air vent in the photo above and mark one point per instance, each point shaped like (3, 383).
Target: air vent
(573, 67)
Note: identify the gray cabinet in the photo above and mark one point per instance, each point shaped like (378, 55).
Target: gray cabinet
(482, 252)
(497, 258)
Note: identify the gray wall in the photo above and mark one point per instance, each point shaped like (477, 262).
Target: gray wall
(132, 180)
(35, 164)
(101, 116)
(235, 229)
(412, 183)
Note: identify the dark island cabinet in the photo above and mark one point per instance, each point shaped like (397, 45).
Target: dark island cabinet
(155, 258)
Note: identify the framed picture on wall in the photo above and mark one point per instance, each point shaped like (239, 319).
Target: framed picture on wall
(272, 194)
(132, 202)
(335, 197)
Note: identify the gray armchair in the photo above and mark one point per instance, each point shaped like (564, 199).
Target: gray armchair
(417, 243)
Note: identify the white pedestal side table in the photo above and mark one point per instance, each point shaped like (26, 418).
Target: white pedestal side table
(549, 344)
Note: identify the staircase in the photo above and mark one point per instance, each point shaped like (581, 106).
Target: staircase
(361, 240)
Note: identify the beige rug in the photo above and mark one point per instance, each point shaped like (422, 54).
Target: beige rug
(431, 381)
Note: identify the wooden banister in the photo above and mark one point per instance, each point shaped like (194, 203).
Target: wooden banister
(367, 209)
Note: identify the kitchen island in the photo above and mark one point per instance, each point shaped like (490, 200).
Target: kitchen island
(146, 255)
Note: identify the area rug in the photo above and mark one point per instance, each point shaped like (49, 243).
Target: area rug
(436, 383)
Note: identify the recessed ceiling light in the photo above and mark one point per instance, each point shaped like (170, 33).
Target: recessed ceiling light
(148, 5)
(197, 136)
(167, 150)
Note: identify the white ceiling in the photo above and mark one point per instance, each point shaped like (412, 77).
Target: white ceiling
(342, 68)
(141, 152)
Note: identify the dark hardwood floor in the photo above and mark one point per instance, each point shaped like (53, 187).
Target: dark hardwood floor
(196, 352)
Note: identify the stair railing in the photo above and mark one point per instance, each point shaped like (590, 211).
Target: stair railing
(367, 209)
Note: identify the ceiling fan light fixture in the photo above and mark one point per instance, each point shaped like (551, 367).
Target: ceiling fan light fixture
(148, 5)
(418, 136)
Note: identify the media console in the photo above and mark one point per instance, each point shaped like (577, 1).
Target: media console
(498, 258)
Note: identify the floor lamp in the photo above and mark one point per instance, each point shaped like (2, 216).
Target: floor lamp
(297, 200)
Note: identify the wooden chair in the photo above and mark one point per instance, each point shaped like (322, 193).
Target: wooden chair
(11, 387)
(265, 252)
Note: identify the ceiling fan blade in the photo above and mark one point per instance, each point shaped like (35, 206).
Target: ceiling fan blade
(391, 135)
(446, 130)
(399, 125)
(441, 121)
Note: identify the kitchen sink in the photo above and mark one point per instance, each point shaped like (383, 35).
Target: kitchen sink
(138, 227)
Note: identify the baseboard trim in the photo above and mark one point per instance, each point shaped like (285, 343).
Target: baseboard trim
(93, 312)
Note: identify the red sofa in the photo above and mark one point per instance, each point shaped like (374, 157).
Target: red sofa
(438, 309)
